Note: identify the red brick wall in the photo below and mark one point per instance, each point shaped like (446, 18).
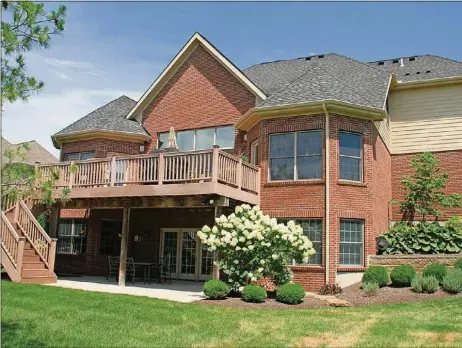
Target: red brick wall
(102, 147)
(202, 93)
(450, 162)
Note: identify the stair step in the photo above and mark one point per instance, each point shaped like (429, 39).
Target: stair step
(33, 265)
(31, 258)
(29, 252)
(30, 273)
(39, 280)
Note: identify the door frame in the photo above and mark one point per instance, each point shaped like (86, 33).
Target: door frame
(197, 276)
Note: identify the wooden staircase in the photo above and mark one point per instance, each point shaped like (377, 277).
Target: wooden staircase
(28, 253)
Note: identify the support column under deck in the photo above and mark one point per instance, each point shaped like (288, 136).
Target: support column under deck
(124, 246)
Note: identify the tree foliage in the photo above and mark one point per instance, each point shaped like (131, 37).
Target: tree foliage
(29, 26)
(425, 189)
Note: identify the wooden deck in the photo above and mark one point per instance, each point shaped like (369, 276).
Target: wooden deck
(207, 172)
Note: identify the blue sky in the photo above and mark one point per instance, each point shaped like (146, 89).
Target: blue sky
(114, 48)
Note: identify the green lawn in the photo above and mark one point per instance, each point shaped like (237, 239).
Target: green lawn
(41, 316)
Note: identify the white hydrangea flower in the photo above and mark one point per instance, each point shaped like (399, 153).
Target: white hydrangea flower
(236, 262)
(206, 229)
(262, 262)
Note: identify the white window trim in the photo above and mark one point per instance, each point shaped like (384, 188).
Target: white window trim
(195, 135)
(361, 256)
(295, 157)
(71, 236)
(361, 158)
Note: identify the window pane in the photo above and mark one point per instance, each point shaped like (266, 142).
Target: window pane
(309, 167)
(282, 169)
(204, 138)
(162, 143)
(351, 242)
(350, 168)
(87, 155)
(63, 245)
(185, 140)
(71, 156)
(313, 230)
(309, 143)
(282, 145)
(225, 136)
(80, 227)
(350, 144)
(65, 228)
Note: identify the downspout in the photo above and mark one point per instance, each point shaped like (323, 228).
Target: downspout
(327, 194)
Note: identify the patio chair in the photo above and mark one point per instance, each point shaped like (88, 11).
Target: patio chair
(165, 273)
(113, 267)
(130, 269)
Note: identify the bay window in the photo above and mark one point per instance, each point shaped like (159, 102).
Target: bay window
(296, 156)
(351, 156)
(200, 139)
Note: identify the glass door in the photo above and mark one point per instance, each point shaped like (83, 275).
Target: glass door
(188, 259)
(206, 262)
(170, 251)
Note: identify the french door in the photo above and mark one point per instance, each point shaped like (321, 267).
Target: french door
(185, 255)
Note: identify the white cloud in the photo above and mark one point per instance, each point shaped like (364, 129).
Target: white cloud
(63, 76)
(46, 114)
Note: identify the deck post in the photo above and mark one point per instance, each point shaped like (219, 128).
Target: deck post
(124, 246)
(52, 256)
(71, 173)
(54, 222)
(215, 269)
(161, 166)
(20, 257)
(239, 174)
(113, 171)
(215, 153)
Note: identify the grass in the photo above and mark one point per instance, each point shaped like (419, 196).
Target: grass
(41, 316)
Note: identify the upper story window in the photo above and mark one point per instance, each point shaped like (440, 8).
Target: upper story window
(201, 139)
(351, 156)
(296, 156)
(78, 156)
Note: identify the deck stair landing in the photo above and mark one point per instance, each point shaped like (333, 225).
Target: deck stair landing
(28, 253)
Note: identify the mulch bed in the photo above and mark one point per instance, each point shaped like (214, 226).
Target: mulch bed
(268, 304)
(389, 295)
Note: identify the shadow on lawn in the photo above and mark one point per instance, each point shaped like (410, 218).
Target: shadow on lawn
(16, 335)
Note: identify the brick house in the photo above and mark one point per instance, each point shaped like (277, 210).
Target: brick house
(328, 139)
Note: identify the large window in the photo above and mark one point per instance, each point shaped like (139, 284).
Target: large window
(111, 231)
(200, 139)
(351, 156)
(312, 229)
(72, 236)
(79, 156)
(296, 156)
(351, 242)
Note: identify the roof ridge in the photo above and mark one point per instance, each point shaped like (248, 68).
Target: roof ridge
(446, 58)
(290, 59)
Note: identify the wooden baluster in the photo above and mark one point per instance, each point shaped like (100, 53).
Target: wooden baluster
(160, 169)
(239, 174)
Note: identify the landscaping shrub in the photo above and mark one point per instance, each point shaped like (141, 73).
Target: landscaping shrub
(402, 275)
(430, 284)
(330, 289)
(455, 222)
(290, 293)
(422, 238)
(452, 283)
(438, 270)
(416, 284)
(458, 264)
(254, 293)
(376, 274)
(215, 289)
(370, 289)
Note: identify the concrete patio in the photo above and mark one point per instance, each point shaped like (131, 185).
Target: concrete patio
(179, 290)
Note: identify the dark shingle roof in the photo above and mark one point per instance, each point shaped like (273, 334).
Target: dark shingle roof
(420, 68)
(108, 117)
(36, 152)
(322, 77)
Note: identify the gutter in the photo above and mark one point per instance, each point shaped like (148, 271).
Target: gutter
(327, 194)
(428, 83)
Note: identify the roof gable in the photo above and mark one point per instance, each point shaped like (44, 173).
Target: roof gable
(178, 61)
(36, 152)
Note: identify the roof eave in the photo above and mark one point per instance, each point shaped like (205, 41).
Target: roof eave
(59, 139)
(254, 115)
(427, 83)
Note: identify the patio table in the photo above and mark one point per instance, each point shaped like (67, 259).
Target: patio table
(147, 268)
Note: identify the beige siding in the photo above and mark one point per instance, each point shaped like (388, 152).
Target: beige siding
(426, 119)
(384, 131)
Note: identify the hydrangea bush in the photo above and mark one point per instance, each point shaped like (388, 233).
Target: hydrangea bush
(252, 245)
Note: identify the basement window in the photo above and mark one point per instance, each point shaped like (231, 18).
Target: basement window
(72, 236)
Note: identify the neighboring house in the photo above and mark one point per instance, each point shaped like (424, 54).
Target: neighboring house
(36, 153)
(332, 138)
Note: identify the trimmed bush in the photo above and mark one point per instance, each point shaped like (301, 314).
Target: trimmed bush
(402, 275)
(215, 289)
(370, 289)
(254, 293)
(376, 274)
(416, 284)
(458, 264)
(438, 270)
(452, 283)
(430, 284)
(290, 293)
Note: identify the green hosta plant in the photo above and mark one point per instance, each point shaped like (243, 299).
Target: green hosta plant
(423, 238)
(252, 246)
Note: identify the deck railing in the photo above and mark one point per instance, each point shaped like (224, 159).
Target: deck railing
(12, 244)
(161, 168)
